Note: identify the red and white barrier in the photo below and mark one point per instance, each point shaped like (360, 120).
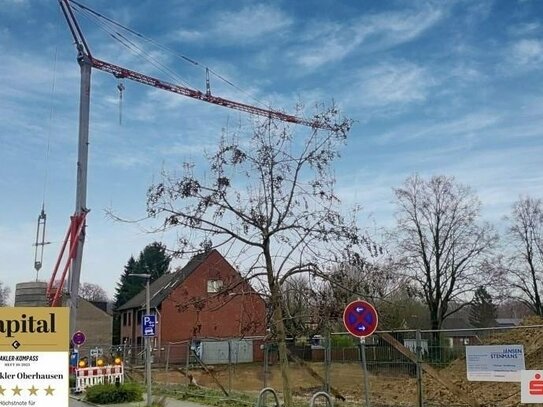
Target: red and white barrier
(90, 376)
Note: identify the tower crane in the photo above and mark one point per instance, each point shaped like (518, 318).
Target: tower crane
(75, 236)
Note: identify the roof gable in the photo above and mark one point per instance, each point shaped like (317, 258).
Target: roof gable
(161, 288)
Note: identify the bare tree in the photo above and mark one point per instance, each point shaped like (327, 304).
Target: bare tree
(92, 292)
(441, 242)
(298, 302)
(271, 199)
(524, 264)
(4, 295)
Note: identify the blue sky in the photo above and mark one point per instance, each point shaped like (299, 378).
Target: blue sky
(435, 87)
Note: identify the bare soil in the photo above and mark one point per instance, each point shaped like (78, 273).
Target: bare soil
(387, 387)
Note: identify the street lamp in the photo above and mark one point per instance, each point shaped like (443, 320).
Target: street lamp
(147, 339)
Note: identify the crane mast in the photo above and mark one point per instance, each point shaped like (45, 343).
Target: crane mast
(76, 231)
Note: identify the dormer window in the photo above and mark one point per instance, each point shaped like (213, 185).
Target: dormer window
(214, 286)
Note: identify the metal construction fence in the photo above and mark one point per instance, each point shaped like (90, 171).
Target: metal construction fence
(403, 368)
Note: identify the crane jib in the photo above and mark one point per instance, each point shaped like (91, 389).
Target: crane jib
(120, 72)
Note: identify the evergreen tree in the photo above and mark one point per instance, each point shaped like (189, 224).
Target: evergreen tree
(152, 260)
(127, 287)
(483, 312)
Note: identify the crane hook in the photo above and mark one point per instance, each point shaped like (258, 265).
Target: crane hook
(121, 88)
(208, 84)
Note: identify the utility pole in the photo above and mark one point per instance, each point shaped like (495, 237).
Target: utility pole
(147, 338)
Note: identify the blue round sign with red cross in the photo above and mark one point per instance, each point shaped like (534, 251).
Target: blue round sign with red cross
(360, 318)
(78, 338)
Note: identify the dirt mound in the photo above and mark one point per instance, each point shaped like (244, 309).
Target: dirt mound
(492, 394)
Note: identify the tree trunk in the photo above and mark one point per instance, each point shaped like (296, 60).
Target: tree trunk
(281, 346)
(435, 344)
(278, 324)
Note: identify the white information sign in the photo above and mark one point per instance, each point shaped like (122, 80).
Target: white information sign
(34, 357)
(33, 379)
(494, 363)
(531, 386)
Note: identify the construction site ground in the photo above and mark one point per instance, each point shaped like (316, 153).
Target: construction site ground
(387, 387)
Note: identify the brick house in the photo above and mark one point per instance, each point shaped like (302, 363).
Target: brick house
(206, 299)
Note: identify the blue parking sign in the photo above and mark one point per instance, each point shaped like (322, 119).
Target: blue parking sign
(148, 324)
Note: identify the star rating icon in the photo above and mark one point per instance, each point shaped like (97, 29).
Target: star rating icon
(33, 391)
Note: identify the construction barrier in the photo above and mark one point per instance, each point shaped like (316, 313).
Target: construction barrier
(90, 376)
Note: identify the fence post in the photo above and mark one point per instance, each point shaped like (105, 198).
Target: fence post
(327, 361)
(188, 358)
(418, 348)
(365, 368)
(168, 363)
(266, 361)
(229, 366)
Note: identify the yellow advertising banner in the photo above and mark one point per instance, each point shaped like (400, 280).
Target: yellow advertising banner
(34, 360)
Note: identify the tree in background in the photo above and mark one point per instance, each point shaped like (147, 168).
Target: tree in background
(368, 273)
(269, 199)
(402, 310)
(127, 287)
(92, 292)
(441, 241)
(298, 303)
(153, 260)
(4, 295)
(483, 312)
(524, 265)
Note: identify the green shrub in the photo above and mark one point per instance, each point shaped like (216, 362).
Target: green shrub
(343, 341)
(111, 394)
(72, 381)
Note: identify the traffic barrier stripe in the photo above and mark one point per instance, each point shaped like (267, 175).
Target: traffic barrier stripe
(90, 376)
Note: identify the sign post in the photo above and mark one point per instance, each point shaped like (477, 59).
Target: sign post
(360, 319)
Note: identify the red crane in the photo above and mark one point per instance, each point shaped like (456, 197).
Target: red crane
(75, 236)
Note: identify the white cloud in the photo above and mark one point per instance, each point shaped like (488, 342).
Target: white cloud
(247, 25)
(251, 22)
(333, 41)
(524, 28)
(393, 84)
(188, 35)
(527, 52)
(471, 123)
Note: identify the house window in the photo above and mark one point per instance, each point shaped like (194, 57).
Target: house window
(140, 316)
(125, 318)
(129, 319)
(214, 286)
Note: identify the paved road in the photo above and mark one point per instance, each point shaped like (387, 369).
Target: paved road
(75, 403)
